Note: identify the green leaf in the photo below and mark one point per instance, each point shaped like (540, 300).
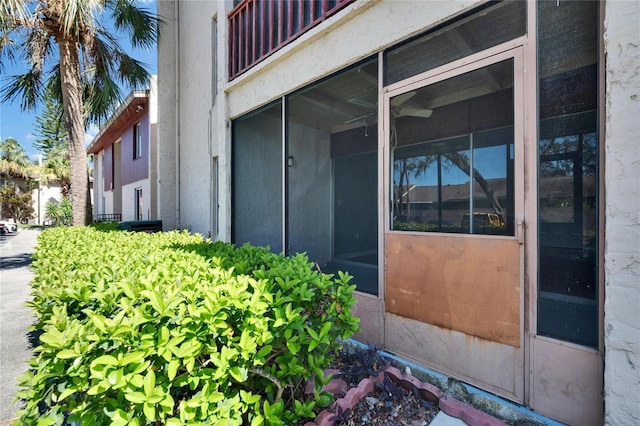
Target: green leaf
(172, 368)
(53, 338)
(313, 334)
(293, 346)
(132, 357)
(238, 373)
(264, 351)
(104, 360)
(67, 354)
(149, 383)
(65, 393)
(314, 344)
(135, 397)
(149, 411)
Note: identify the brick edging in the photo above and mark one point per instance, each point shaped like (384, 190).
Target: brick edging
(451, 406)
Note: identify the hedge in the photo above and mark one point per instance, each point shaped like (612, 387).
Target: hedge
(170, 328)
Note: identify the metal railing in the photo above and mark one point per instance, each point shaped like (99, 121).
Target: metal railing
(109, 217)
(257, 28)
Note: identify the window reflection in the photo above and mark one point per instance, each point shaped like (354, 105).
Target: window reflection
(434, 192)
(452, 147)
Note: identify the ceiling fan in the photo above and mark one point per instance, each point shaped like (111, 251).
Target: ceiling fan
(396, 108)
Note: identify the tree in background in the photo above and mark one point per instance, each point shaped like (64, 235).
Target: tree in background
(16, 170)
(50, 132)
(16, 202)
(14, 161)
(51, 141)
(72, 53)
(56, 167)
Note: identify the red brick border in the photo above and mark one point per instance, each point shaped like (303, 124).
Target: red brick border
(451, 406)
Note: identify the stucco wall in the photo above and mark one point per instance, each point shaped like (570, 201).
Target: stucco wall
(185, 200)
(43, 195)
(128, 200)
(622, 194)
(167, 101)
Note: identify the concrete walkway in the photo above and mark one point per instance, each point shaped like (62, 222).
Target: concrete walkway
(15, 317)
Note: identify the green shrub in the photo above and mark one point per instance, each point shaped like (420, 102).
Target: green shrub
(167, 328)
(60, 212)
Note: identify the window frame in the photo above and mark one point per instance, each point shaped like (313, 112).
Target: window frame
(137, 141)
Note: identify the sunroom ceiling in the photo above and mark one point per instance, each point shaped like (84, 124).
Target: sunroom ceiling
(330, 106)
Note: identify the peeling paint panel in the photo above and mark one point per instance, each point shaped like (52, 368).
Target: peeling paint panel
(465, 284)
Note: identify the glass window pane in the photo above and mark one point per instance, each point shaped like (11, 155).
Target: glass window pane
(498, 23)
(257, 178)
(453, 156)
(568, 171)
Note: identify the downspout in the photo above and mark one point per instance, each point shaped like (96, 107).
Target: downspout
(177, 106)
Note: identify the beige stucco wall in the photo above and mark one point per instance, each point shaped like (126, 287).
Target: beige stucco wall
(622, 221)
(167, 101)
(185, 199)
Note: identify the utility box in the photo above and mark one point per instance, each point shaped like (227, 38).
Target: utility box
(147, 226)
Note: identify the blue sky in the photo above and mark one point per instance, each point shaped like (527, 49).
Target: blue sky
(20, 125)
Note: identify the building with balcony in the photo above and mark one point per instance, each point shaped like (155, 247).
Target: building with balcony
(125, 160)
(473, 164)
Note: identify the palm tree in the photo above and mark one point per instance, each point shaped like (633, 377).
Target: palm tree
(56, 167)
(14, 161)
(83, 72)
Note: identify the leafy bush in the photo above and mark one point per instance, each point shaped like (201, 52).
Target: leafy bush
(167, 328)
(60, 211)
(16, 202)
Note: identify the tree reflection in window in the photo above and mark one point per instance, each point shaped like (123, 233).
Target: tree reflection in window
(433, 190)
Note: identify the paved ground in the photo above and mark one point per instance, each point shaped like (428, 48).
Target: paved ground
(15, 317)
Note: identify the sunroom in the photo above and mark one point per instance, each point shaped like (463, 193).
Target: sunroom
(455, 175)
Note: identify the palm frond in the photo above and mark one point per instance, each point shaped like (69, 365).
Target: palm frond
(15, 10)
(77, 15)
(26, 87)
(132, 72)
(13, 16)
(102, 95)
(101, 56)
(54, 84)
(138, 23)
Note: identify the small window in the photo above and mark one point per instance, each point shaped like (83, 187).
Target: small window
(137, 142)
(138, 203)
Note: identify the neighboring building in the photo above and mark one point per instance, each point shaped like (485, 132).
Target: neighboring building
(124, 161)
(349, 130)
(50, 192)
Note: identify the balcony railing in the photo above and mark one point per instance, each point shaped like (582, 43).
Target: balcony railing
(257, 28)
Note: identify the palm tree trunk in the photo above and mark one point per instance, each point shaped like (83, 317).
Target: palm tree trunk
(73, 111)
